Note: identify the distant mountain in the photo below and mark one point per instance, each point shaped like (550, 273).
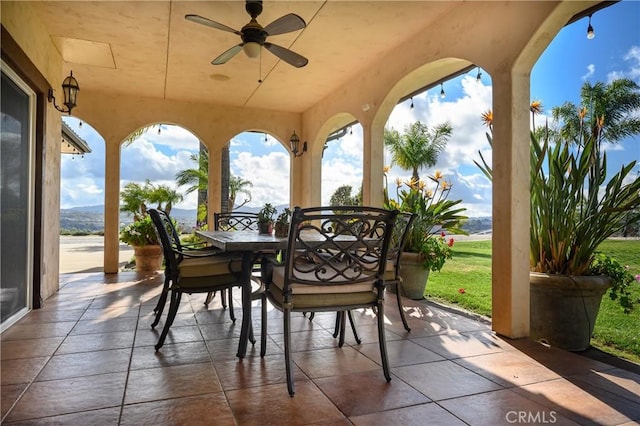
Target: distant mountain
(91, 219)
(90, 209)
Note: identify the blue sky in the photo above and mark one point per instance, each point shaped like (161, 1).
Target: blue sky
(569, 61)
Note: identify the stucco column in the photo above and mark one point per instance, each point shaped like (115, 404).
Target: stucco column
(111, 207)
(372, 164)
(510, 248)
(215, 187)
(298, 185)
(305, 174)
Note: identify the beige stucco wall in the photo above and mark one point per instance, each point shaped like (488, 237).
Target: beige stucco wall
(28, 31)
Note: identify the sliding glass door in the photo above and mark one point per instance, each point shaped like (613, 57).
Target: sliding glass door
(17, 143)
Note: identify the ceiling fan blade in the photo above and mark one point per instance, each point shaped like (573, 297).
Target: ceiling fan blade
(285, 24)
(209, 23)
(222, 59)
(289, 56)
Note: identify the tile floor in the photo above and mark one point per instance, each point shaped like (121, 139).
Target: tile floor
(87, 358)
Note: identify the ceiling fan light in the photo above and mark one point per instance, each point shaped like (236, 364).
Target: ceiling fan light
(251, 49)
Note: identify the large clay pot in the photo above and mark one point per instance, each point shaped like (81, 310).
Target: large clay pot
(148, 258)
(564, 308)
(414, 276)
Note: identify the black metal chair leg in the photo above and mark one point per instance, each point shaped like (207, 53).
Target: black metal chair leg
(232, 314)
(336, 329)
(353, 328)
(209, 297)
(383, 344)
(171, 315)
(400, 308)
(161, 302)
(163, 295)
(223, 299)
(252, 338)
(287, 351)
(343, 326)
(263, 326)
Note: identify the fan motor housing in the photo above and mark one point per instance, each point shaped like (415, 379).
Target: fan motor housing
(253, 8)
(255, 34)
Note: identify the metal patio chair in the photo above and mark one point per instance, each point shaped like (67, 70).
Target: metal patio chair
(334, 262)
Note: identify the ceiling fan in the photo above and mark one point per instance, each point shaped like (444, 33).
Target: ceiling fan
(254, 36)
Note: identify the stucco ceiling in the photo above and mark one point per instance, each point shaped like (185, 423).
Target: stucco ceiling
(147, 48)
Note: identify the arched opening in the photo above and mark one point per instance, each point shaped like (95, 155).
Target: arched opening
(82, 194)
(455, 101)
(152, 160)
(262, 160)
(342, 166)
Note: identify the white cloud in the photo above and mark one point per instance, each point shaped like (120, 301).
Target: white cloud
(632, 57)
(591, 69)
(342, 164)
(468, 137)
(337, 173)
(269, 174)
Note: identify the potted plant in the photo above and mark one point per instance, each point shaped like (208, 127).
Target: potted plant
(282, 223)
(265, 219)
(141, 233)
(575, 206)
(426, 247)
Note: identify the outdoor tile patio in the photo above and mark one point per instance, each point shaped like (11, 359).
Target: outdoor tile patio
(87, 357)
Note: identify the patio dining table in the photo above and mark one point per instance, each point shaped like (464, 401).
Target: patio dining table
(250, 244)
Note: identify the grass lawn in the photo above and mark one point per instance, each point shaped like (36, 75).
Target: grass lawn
(465, 281)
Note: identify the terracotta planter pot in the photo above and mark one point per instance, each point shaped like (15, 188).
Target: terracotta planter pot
(564, 309)
(282, 230)
(265, 227)
(148, 258)
(414, 276)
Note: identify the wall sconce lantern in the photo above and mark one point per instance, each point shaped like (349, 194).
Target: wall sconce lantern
(70, 90)
(294, 143)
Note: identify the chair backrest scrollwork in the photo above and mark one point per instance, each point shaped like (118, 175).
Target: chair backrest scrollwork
(336, 247)
(235, 221)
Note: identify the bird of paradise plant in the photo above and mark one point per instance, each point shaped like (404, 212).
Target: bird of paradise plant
(575, 206)
(435, 213)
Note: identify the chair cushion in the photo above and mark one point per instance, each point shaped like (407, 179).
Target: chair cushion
(206, 283)
(209, 266)
(300, 302)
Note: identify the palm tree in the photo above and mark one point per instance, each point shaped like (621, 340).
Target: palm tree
(418, 146)
(237, 185)
(164, 194)
(225, 175)
(197, 179)
(135, 198)
(616, 105)
(135, 135)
